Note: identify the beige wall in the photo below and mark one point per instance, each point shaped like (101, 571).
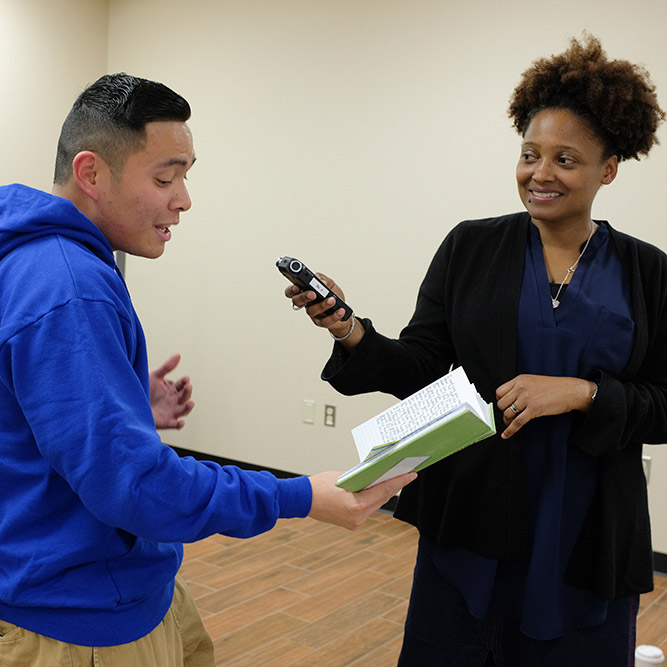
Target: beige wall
(49, 51)
(352, 135)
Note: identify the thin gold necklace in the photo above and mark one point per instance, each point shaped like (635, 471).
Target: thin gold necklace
(554, 300)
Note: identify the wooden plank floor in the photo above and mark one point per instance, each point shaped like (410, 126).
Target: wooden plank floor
(308, 593)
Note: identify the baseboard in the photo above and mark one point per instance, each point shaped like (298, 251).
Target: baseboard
(659, 559)
(660, 562)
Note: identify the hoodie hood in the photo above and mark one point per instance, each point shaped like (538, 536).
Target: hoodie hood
(27, 214)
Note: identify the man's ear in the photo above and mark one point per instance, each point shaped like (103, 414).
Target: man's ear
(90, 173)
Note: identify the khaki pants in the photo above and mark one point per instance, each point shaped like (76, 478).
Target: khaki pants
(180, 640)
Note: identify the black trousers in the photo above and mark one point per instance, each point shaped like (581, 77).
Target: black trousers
(440, 632)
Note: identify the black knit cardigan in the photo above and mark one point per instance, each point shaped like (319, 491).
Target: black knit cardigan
(466, 314)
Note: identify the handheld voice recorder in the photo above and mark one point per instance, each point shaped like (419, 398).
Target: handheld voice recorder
(299, 274)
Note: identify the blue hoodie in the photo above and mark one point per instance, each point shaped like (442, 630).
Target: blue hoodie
(93, 507)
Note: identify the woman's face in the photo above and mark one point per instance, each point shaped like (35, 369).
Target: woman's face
(561, 168)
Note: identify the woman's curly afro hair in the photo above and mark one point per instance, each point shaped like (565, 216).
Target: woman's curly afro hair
(616, 97)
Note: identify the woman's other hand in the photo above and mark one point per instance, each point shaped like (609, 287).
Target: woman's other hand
(526, 397)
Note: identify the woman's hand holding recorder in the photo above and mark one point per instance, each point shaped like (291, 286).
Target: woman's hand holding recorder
(351, 330)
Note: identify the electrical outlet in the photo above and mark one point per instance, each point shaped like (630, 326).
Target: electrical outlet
(646, 464)
(308, 412)
(329, 415)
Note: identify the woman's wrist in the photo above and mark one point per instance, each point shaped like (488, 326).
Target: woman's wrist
(345, 336)
(595, 391)
(592, 393)
(352, 337)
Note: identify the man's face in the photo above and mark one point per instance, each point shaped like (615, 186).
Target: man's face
(137, 209)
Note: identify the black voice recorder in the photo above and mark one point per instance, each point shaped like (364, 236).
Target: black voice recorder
(299, 274)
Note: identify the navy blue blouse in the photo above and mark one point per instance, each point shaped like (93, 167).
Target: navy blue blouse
(591, 329)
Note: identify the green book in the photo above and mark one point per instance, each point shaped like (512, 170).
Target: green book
(435, 422)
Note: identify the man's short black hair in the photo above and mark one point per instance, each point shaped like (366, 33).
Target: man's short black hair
(109, 118)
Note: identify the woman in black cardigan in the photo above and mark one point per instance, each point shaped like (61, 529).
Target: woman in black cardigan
(535, 544)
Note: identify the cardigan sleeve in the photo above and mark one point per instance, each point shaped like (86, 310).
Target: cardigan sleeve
(423, 352)
(465, 315)
(632, 409)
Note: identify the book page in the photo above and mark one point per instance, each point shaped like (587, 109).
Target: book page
(416, 411)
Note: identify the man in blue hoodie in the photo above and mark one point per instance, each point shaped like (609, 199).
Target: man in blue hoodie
(93, 507)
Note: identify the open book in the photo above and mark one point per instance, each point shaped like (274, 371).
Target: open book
(438, 420)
